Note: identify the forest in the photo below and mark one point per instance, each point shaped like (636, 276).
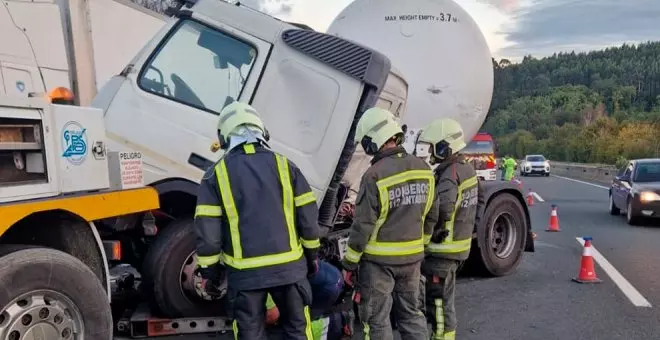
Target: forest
(596, 107)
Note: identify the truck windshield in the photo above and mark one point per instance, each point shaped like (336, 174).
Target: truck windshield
(199, 66)
(535, 159)
(479, 147)
(647, 172)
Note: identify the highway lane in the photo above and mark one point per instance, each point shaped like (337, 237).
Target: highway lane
(541, 302)
(583, 211)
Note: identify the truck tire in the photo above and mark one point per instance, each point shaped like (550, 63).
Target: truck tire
(50, 293)
(167, 271)
(501, 237)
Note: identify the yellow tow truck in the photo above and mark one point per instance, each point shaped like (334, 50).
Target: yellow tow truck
(57, 182)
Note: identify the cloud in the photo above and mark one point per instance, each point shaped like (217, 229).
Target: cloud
(543, 27)
(316, 13)
(505, 6)
(278, 8)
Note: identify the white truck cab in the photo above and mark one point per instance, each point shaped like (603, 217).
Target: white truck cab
(166, 101)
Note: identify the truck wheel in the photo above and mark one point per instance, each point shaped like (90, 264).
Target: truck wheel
(168, 275)
(501, 238)
(49, 294)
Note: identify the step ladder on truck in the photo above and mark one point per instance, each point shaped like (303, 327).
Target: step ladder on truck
(58, 186)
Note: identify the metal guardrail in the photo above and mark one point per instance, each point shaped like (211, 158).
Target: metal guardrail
(600, 173)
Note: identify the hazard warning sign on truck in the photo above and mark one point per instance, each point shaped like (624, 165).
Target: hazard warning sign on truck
(130, 165)
(125, 170)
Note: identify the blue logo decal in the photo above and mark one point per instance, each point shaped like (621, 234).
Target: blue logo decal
(20, 86)
(74, 143)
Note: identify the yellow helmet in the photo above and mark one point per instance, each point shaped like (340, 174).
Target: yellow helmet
(445, 137)
(375, 128)
(235, 115)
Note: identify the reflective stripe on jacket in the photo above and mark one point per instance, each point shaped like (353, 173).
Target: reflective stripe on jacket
(396, 211)
(256, 213)
(460, 197)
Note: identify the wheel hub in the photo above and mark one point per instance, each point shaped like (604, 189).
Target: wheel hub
(503, 235)
(191, 284)
(41, 315)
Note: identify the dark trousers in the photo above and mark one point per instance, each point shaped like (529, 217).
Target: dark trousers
(381, 287)
(440, 291)
(248, 308)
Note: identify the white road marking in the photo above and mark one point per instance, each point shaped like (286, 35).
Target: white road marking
(578, 181)
(628, 290)
(538, 198)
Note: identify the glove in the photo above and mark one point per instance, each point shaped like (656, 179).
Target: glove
(347, 209)
(212, 273)
(349, 277)
(312, 268)
(439, 235)
(212, 277)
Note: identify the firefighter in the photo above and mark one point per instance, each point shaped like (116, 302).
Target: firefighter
(460, 200)
(257, 215)
(395, 215)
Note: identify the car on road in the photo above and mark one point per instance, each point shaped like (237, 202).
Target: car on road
(534, 164)
(636, 190)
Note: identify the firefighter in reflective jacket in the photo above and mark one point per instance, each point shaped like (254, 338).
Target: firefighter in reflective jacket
(257, 215)
(395, 215)
(460, 200)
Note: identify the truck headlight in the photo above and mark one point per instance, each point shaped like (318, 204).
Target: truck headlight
(648, 196)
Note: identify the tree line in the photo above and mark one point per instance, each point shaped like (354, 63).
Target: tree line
(596, 107)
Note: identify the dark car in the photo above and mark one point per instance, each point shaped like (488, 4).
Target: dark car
(636, 190)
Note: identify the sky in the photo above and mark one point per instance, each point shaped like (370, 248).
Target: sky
(515, 28)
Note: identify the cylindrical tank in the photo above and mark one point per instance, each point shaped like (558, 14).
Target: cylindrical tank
(438, 48)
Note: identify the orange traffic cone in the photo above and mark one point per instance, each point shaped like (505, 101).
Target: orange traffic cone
(554, 220)
(587, 272)
(530, 198)
(517, 182)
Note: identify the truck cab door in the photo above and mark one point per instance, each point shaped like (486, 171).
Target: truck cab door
(168, 105)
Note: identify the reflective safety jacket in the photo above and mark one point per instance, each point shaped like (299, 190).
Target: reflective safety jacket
(509, 168)
(460, 197)
(257, 214)
(396, 211)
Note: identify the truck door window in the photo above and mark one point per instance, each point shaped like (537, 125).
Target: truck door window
(199, 66)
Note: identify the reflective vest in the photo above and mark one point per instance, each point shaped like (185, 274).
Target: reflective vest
(459, 241)
(403, 248)
(396, 195)
(268, 218)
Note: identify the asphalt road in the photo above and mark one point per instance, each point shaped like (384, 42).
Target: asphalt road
(541, 302)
